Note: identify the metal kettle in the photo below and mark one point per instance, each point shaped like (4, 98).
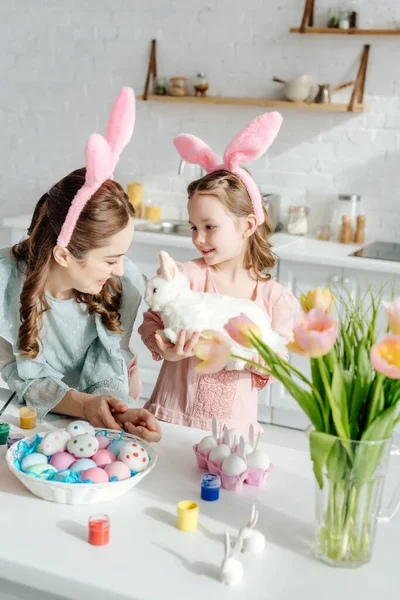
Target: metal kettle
(272, 203)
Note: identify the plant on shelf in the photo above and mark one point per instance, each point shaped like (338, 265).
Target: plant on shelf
(352, 400)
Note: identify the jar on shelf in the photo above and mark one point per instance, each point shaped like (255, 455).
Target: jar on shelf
(344, 19)
(333, 18)
(345, 205)
(200, 85)
(178, 86)
(160, 87)
(298, 220)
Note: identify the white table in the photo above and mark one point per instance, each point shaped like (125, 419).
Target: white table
(44, 553)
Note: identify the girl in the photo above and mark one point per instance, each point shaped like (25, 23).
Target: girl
(69, 297)
(231, 230)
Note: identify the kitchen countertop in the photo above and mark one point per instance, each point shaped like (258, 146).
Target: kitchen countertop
(44, 551)
(286, 246)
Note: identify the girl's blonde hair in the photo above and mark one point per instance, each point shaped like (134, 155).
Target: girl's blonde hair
(231, 192)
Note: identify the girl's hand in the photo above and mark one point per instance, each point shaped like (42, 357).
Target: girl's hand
(178, 351)
(101, 411)
(142, 423)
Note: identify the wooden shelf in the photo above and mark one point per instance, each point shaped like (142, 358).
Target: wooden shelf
(351, 31)
(255, 102)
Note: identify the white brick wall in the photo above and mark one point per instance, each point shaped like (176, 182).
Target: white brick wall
(63, 61)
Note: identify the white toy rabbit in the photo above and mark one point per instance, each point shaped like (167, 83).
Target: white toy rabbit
(180, 308)
(252, 540)
(231, 568)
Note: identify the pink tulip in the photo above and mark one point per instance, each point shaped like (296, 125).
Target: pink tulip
(314, 333)
(213, 349)
(392, 310)
(240, 328)
(385, 356)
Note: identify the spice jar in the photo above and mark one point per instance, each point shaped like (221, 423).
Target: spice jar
(178, 86)
(201, 85)
(346, 204)
(323, 233)
(298, 220)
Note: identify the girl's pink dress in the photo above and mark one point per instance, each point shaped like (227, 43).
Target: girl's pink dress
(183, 396)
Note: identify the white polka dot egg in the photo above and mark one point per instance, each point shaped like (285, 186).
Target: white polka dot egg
(135, 456)
(83, 446)
(80, 427)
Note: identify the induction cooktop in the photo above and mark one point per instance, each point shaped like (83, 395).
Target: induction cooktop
(380, 251)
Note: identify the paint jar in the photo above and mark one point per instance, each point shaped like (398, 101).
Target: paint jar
(210, 487)
(27, 417)
(4, 431)
(188, 515)
(99, 530)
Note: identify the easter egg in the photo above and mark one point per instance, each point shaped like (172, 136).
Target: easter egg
(79, 427)
(258, 460)
(207, 443)
(104, 441)
(135, 456)
(116, 446)
(96, 475)
(36, 458)
(218, 454)
(44, 471)
(83, 446)
(54, 441)
(234, 465)
(83, 464)
(103, 457)
(119, 470)
(62, 460)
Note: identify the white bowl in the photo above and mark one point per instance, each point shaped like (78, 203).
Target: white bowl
(80, 493)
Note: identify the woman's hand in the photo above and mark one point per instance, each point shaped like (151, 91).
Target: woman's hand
(102, 411)
(178, 351)
(140, 422)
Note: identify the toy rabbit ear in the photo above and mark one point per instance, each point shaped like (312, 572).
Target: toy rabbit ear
(252, 141)
(238, 546)
(169, 269)
(215, 428)
(193, 150)
(251, 436)
(98, 159)
(227, 545)
(242, 448)
(121, 122)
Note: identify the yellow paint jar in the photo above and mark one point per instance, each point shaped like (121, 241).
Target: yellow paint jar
(135, 195)
(188, 515)
(27, 417)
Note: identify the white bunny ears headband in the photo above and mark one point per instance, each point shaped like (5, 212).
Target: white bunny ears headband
(101, 157)
(249, 144)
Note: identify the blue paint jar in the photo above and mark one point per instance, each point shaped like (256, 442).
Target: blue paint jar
(210, 486)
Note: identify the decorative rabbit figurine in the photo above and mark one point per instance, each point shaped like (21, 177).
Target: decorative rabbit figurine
(211, 441)
(256, 459)
(181, 309)
(252, 539)
(231, 568)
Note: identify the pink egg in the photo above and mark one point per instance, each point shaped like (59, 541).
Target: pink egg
(103, 457)
(104, 441)
(96, 475)
(119, 470)
(62, 460)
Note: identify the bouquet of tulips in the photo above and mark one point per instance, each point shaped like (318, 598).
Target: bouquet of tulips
(352, 400)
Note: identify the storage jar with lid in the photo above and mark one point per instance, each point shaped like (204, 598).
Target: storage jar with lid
(345, 205)
(179, 86)
(298, 220)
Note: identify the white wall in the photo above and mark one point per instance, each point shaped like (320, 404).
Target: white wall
(63, 61)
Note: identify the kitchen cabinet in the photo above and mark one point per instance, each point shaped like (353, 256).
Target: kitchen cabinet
(351, 283)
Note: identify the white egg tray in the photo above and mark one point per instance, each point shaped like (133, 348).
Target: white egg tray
(80, 493)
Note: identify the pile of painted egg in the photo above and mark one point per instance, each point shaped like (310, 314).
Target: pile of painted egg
(78, 455)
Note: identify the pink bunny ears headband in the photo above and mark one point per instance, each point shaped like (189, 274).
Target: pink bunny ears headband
(249, 144)
(101, 157)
